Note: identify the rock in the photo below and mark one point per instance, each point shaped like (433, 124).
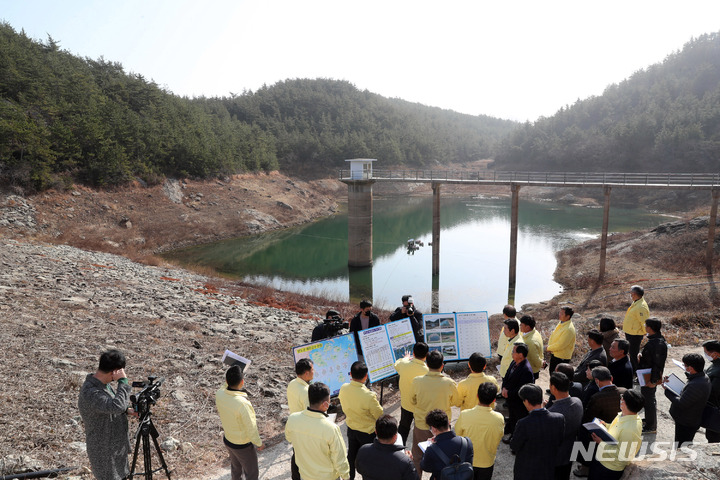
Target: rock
(284, 205)
(170, 444)
(18, 464)
(172, 189)
(79, 446)
(126, 223)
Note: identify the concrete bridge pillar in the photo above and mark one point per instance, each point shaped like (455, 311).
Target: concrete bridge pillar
(709, 253)
(436, 229)
(603, 241)
(360, 211)
(512, 275)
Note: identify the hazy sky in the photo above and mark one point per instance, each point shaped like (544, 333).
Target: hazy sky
(509, 59)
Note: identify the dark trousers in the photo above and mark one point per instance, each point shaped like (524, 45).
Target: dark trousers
(406, 419)
(356, 440)
(562, 472)
(294, 470)
(635, 341)
(555, 361)
(712, 436)
(516, 411)
(598, 472)
(243, 461)
(483, 473)
(648, 394)
(684, 434)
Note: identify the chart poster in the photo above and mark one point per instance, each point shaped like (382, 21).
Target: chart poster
(457, 335)
(384, 344)
(332, 359)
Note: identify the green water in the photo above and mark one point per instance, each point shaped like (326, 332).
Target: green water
(474, 252)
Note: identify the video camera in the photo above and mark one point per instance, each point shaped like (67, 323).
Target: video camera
(149, 394)
(334, 324)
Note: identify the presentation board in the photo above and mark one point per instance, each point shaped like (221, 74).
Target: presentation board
(458, 335)
(332, 359)
(383, 345)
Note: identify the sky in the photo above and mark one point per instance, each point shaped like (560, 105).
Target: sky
(512, 59)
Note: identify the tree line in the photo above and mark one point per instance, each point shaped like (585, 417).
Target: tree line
(66, 119)
(665, 118)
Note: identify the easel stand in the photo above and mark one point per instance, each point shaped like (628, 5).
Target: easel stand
(144, 432)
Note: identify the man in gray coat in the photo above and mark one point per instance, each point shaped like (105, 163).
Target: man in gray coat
(103, 411)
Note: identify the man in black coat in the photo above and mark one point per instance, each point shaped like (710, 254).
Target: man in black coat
(537, 438)
(620, 366)
(711, 349)
(519, 373)
(384, 459)
(687, 408)
(597, 352)
(447, 441)
(408, 310)
(364, 319)
(653, 356)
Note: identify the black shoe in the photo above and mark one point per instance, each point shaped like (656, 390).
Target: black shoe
(649, 431)
(507, 439)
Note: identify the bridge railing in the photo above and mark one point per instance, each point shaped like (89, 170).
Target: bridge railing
(570, 178)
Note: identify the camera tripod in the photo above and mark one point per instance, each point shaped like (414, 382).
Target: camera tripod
(145, 430)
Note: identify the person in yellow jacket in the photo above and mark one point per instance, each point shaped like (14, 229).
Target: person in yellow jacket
(561, 343)
(512, 333)
(297, 399)
(241, 436)
(361, 409)
(317, 440)
(468, 388)
(509, 312)
(434, 390)
(610, 460)
(408, 369)
(534, 342)
(634, 322)
(484, 427)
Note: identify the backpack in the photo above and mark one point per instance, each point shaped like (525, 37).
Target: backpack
(458, 468)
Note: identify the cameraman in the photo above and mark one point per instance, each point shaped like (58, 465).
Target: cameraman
(329, 328)
(408, 310)
(103, 411)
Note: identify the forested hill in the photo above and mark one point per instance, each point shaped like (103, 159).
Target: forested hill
(65, 119)
(664, 118)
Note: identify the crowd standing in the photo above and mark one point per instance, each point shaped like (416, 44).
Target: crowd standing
(609, 386)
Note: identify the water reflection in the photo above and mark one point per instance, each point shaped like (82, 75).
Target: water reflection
(474, 253)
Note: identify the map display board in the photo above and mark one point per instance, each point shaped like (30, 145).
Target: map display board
(458, 335)
(332, 359)
(383, 345)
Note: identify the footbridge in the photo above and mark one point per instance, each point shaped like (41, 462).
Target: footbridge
(361, 177)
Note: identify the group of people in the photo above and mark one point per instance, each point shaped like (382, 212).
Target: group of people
(540, 433)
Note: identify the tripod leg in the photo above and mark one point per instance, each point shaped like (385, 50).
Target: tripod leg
(147, 459)
(154, 433)
(135, 453)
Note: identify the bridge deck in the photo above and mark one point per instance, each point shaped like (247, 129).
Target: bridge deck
(701, 181)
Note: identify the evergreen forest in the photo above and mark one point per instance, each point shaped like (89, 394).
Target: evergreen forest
(665, 118)
(65, 119)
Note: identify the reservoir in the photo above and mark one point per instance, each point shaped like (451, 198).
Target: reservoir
(474, 252)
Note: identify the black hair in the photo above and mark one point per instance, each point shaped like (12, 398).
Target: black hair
(509, 311)
(596, 336)
(487, 392)
(420, 350)
(568, 311)
(303, 365)
(358, 370)
(318, 393)
(528, 320)
(365, 303)
(634, 401)
(386, 427)
(593, 364)
(234, 376)
(437, 418)
(532, 393)
(654, 324)
(711, 345)
(565, 368)
(638, 290)
(694, 360)
(406, 297)
(477, 362)
(332, 313)
(560, 381)
(111, 360)
(602, 374)
(521, 348)
(512, 324)
(607, 324)
(623, 345)
(434, 360)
